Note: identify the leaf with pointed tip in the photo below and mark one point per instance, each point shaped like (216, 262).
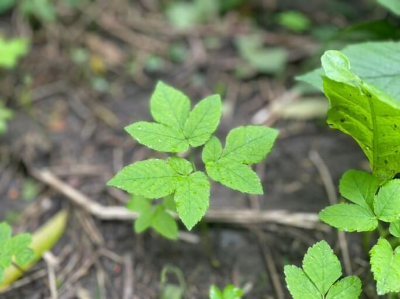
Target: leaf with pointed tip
(143, 222)
(158, 137)
(215, 293)
(387, 202)
(192, 198)
(180, 165)
(212, 150)
(151, 178)
(164, 223)
(299, 285)
(249, 144)
(349, 217)
(203, 120)
(359, 187)
(169, 106)
(235, 175)
(322, 266)
(385, 265)
(394, 228)
(347, 288)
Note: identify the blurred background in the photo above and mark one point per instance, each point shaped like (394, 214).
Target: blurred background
(75, 72)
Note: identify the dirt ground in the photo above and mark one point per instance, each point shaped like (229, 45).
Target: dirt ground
(77, 133)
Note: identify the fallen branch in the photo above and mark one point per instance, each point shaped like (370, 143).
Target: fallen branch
(301, 220)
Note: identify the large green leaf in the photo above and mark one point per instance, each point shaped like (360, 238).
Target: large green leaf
(373, 62)
(322, 266)
(299, 285)
(359, 187)
(158, 137)
(192, 198)
(203, 120)
(347, 288)
(387, 202)
(371, 117)
(169, 106)
(385, 265)
(393, 5)
(152, 178)
(249, 144)
(349, 217)
(235, 175)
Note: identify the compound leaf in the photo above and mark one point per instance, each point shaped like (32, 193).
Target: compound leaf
(212, 150)
(13, 247)
(152, 178)
(359, 187)
(169, 106)
(387, 202)
(299, 285)
(249, 144)
(347, 288)
(180, 165)
(394, 228)
(349, 217)
(192, 198)
(371, 117)
(158, 137)
(203, 120)
(144, 221)
(164, 223)
(322, 266)
(385, 265)
(235, 175)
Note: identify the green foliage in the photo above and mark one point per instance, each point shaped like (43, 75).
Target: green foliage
(374, 62)
(294, 21)
(43, 10)
(392, 5)
(157, 217)
(177, 129)
(264, 60)
(6, 5)
(387, 202)
(230, 292)
(11, 50)
(5, 115)
(13, 249)
(385, 265)
(169, 290)
(394, 228)
(364, 112)
(319, 277)
(244, 146)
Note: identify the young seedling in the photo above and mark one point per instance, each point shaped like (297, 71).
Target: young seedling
(175, 130)
(230, 292)
(13, 249)
(319, 278)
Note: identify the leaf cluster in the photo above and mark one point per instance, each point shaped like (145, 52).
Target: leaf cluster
(175, 130)
(229, 292)
(319, 278)
(11, 50)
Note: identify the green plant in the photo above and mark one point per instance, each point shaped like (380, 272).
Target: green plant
(5, 115)
(11, 50)
(320, 275)
(13, 249)
(294, 21)
(176, 130)
(229, 292)
(372, 117)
